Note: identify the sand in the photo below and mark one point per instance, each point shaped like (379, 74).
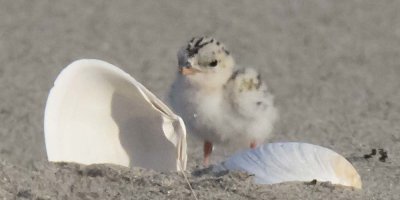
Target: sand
(334, 67)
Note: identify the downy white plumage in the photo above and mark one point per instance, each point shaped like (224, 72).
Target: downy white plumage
(218, 101)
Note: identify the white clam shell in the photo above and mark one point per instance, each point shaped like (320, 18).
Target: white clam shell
(291, 161)
(96, 113)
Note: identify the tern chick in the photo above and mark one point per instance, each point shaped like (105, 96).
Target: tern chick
(219, 102)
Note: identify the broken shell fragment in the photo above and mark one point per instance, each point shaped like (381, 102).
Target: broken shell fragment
(96, 113)
(284, 162)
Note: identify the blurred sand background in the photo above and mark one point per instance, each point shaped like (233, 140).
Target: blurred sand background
(334, 67)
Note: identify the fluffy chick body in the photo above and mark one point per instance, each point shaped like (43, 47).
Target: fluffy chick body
(221, 104)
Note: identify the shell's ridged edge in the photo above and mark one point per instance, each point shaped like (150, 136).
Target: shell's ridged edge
(345, 171)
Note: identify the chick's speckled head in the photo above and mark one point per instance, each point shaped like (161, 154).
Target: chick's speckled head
(205, 57)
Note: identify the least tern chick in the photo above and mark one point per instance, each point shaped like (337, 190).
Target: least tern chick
(218, 102)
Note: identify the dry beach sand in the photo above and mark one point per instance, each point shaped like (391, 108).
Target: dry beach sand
(334, 67)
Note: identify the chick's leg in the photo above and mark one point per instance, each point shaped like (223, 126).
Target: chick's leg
(208, 147)
(253, 144)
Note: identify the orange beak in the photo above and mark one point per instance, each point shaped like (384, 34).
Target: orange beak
(188, 71)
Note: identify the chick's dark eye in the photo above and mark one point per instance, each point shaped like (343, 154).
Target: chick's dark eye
(213, 63)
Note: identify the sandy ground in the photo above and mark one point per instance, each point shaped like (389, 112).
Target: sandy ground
(334, 67)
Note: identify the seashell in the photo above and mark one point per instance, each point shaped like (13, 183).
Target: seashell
(283, 162)
(96, 113)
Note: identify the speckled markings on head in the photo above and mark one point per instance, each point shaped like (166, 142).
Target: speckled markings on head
(195, 44)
